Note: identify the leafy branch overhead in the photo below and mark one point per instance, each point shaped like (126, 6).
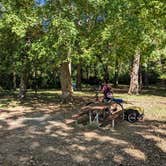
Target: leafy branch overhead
(44, 34)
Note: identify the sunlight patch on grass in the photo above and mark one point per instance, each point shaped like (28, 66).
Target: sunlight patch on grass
(34, 145)
(118, 159)
(93, 135)
(152, 137)
(79, 147)
(155, 134)
(136, 153)
(162, 145)
(15, 124)
(79, 158)
(79, 93)
(45, 92)
(61, 125)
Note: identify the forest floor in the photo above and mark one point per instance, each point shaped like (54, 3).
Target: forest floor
(34, 132)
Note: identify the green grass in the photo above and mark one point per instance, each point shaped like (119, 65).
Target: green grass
(154, 105)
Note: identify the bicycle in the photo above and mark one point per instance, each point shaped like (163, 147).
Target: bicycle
(110, 107)
(104, 110)
(131, 114)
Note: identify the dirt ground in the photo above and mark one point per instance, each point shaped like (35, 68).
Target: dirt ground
(34, 133)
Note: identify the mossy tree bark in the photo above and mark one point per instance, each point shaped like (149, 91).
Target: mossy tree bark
(23, 83)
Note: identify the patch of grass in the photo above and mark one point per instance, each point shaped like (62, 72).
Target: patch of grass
(153, 105)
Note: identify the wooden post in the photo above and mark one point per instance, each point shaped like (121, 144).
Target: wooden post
(113, 123)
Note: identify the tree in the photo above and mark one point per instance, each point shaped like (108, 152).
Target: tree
(99, 37)
(134, 84)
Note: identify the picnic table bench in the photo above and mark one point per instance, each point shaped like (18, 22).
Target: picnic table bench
(94, 112)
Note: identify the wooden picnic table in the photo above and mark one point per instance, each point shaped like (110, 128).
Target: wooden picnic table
(98, 108)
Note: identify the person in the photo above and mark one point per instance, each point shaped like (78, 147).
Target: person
(108, 94)
(109, 98)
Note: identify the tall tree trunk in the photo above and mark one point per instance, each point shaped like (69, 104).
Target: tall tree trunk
(25, 70)
(140, 79)
(14, 81)
(65, 79)
(116, 76)
(79, 76)
(36, 81)
(134, 77)
(23, 84)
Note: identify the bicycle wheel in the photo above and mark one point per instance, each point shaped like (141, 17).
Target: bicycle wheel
(132, 116)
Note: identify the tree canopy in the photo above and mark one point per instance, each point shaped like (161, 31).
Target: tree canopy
(102, 36)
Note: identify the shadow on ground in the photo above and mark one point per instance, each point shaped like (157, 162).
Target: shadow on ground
(43, 138)
(36, 134)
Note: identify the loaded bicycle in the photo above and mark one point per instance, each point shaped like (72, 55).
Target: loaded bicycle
(104, 110)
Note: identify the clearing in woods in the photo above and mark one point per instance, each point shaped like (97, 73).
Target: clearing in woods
(34, 132)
